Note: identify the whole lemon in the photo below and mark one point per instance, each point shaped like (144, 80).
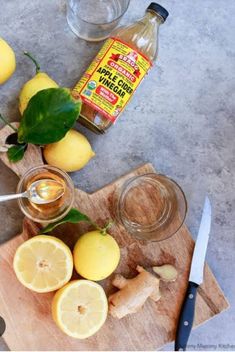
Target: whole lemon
(71, 153)
(96, 255)
(40, 81)
(7, 61)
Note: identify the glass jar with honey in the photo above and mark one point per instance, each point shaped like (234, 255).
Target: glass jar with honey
(52, 211)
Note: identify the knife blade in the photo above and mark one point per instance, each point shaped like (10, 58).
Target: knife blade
(186, 317)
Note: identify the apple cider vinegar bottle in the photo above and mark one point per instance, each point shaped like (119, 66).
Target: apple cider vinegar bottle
(121, 64)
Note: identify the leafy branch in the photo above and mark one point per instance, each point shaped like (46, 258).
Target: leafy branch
(16, 152)
(74, 216)
(49, 115)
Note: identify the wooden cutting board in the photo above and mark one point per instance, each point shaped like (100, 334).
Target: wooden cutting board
(29, 325)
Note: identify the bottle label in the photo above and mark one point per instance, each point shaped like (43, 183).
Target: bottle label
(112, 78)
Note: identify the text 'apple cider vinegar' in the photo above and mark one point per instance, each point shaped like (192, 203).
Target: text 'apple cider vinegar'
(121, 64)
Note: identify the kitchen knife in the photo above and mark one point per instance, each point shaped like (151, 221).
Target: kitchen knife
(195, 279)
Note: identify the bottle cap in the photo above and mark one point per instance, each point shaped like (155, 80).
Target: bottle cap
(161, 11)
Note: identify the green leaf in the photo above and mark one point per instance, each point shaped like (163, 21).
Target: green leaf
(16, 153)
(48, 117)
(74, 216)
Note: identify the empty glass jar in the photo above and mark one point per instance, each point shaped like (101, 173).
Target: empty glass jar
(93, 20)
(151, 207)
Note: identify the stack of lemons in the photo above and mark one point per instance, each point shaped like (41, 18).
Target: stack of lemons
(71, 153)
(45, 263)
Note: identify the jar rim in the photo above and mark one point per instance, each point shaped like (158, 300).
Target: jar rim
(117, 18)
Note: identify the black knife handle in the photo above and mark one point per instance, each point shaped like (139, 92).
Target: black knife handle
(185, 322)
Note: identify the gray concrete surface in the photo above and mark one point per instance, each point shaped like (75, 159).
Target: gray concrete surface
(181, 119)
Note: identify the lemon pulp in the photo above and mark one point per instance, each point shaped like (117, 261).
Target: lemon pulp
(80, 308)
(43, 263)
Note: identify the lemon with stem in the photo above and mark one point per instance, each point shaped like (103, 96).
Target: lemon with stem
(96, 255)
(40, 81)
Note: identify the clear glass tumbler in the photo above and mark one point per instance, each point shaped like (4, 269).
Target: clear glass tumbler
(53, 211)
(93, 20)
(150, 207)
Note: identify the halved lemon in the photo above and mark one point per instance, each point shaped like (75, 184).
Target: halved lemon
(80, 308)
(43, 263)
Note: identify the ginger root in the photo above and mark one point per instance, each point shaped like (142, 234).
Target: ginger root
(166, 272)
(133, 293)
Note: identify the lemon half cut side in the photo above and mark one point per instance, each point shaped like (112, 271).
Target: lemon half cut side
(43, 263)
(80, 308)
